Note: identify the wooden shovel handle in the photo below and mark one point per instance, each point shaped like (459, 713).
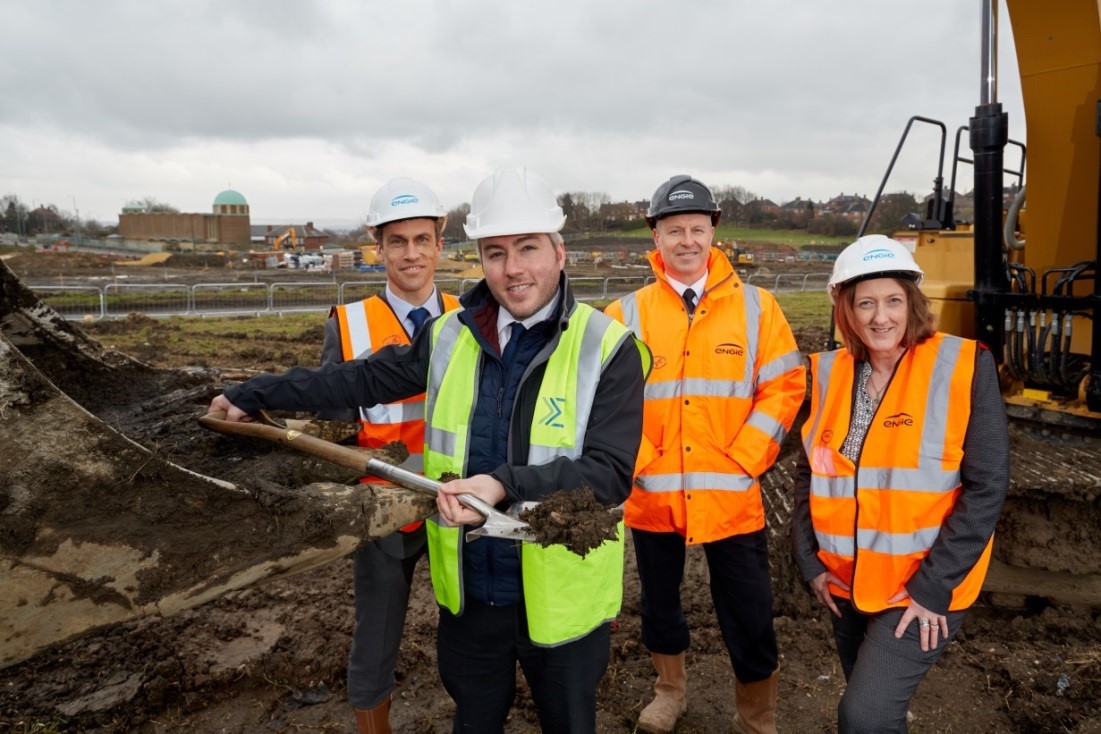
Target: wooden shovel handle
(340, 455)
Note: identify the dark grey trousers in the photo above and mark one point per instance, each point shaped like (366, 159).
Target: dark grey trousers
(383, 573)
(882, 673)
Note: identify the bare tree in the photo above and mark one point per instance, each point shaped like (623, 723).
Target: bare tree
(154, 206)
(453, 230)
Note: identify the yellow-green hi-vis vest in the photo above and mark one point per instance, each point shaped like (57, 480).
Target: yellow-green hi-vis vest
(566, 596)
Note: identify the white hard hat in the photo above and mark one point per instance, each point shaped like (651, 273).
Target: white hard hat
(513, 201)
(403, 198)
(873, 256)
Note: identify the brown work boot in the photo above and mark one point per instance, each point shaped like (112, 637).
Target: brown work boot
(374, 721)
(756, 706)
(660, 716)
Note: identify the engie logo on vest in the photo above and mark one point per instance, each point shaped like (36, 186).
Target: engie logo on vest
(898, 420)
(554, 412)
(731, 349)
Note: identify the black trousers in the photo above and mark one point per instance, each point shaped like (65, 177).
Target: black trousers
(741, 591)
(477, 654)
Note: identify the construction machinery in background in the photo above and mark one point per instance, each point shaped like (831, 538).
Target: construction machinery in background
(738, 256)
(1022, 277)
(288, 240)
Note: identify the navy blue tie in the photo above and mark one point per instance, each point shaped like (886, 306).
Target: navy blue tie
(418, 316)
(689, 297)
(513, 341)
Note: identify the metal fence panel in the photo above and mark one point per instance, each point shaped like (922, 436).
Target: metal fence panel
(76, 303)
(306, 296)
(230, 298)
(356, 290)
(152, 299)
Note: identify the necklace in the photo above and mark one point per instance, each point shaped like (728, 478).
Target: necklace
(876, 394)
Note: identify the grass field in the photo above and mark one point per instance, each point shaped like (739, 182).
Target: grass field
(725, 232)
(274, 343)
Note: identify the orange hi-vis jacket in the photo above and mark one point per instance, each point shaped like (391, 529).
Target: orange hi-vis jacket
(365, 327)
(876, 520)
(724, 390)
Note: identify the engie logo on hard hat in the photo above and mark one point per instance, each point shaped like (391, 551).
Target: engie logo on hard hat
(681, 194)
(879, 254)
(404, 200)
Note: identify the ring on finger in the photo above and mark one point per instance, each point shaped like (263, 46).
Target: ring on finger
(923, 623)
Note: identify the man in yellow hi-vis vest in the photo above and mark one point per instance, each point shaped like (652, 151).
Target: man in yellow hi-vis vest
(527, 392)
(406, 222)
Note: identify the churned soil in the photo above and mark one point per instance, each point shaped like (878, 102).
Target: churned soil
(272, 657)
(573, 519)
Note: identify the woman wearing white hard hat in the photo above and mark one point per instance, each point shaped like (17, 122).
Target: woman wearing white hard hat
(904, 469)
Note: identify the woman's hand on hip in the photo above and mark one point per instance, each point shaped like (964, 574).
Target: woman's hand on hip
(821, 586)
(931, 626)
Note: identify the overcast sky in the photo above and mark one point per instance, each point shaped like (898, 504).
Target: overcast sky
(306, 108)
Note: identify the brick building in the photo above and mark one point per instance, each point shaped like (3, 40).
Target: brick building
(227, 224)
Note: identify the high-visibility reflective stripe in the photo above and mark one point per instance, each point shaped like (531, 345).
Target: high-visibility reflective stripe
(779, 366)
(843, 487)
(415, 462)
(936, 404)
(393, 412)
(766, 424)
(688, 481)
(838, 545)
(359, 334)
(698, 386)
(447, 333)
(897, 544)
(592, 356)
(753, 330)
(631, 318)
(886, 479)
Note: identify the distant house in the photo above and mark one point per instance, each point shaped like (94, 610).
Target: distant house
(295, 236)
(850, 206)
(767, 206)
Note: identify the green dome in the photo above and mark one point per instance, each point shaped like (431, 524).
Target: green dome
(133, 206)
(229, 196)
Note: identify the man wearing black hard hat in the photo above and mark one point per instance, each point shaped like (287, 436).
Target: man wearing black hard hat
(726, 384)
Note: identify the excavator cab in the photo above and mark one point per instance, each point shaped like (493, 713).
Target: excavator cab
(1020, 272)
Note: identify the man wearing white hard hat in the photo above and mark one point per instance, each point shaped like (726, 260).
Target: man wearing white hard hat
(406, 222)
(527, 392)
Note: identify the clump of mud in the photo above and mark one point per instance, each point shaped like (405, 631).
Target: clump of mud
(573, 518)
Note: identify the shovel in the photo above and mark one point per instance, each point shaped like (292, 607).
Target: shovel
(497, 524)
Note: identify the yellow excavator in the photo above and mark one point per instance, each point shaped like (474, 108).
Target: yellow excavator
(1022, 277)
(289, 239)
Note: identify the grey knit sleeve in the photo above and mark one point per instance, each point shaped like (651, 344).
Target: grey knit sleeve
(804, 546)
(985, 480)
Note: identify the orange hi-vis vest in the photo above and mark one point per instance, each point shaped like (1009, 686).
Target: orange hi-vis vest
(876, 520)
(724, 390)
(365, 327)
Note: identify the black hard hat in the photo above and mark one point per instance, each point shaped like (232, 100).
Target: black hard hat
(681, 195)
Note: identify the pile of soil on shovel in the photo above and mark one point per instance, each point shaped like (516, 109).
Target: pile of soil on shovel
(573, 518)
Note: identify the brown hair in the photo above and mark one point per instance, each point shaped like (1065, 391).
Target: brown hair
(920, 320)
(375, 233)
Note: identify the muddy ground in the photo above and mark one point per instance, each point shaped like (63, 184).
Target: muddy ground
(272, 658)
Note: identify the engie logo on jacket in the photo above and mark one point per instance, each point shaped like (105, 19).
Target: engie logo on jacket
(898, 420)
(729, 348)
